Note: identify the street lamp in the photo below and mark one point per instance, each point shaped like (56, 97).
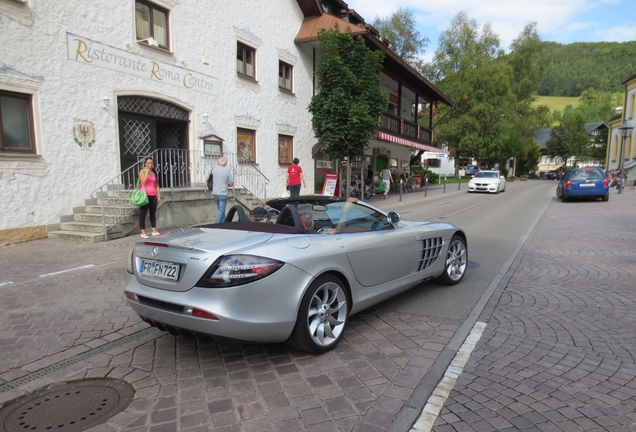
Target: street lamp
(625, 132)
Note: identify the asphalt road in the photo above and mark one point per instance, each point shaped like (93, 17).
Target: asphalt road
(496, 226)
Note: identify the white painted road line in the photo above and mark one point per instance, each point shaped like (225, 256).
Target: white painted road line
(69, 270)
(435, 403)
(6, 283)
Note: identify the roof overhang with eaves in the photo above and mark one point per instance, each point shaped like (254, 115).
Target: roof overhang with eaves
(394, 66)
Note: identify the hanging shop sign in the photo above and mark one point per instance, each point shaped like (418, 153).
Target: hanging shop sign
(84, 50)
(433, 155)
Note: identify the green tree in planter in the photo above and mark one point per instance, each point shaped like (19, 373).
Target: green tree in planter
(347, 108)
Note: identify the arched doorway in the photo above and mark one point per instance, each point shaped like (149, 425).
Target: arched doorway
(147, 125)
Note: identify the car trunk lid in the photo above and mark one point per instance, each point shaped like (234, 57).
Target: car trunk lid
(176, 262)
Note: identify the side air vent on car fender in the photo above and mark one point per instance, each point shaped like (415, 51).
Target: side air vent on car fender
(431, 249)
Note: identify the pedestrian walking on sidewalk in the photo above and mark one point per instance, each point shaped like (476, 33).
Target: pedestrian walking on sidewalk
(294, 178)
(150, 181)
(387, 179)
(222, 179)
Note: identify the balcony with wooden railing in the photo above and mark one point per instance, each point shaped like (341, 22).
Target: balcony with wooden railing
(403, 128)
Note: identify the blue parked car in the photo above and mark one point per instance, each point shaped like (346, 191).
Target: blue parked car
(587, 182)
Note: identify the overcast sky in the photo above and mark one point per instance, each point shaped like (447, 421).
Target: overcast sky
(563, 21)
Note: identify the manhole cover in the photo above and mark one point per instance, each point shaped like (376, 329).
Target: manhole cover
(75, 406)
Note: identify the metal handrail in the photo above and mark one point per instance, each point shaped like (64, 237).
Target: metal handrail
(176, 169)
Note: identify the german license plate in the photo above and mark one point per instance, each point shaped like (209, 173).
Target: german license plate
(163, 270)
(586, 185)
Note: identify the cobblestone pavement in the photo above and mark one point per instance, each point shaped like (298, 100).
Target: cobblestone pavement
(558, 352)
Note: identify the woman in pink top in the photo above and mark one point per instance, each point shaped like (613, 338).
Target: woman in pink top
(148, 179)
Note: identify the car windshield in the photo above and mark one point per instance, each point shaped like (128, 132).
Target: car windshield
(351, 217)
(485, 174)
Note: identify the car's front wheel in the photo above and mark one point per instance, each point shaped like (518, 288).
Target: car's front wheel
(456, 262)
(322, 316)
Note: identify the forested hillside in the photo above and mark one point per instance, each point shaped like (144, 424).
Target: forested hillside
(573, 68)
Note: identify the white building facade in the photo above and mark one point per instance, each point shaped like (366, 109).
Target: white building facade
(82, 81)
(89, 87)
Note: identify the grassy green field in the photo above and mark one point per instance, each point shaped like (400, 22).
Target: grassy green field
(557, 102)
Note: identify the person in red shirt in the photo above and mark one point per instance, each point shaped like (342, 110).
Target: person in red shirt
(294, 178)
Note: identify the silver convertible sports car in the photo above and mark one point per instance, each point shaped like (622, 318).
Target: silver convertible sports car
(295, 279)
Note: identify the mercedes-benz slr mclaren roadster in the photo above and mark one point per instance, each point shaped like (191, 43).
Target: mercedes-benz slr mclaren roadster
(295, 279)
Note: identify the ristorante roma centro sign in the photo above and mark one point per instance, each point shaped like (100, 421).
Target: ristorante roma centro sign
(83, 50)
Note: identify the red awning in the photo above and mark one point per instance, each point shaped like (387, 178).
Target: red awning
(408, 143)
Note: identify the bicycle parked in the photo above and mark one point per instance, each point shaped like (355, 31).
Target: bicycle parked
(356, 189)
(407, 184)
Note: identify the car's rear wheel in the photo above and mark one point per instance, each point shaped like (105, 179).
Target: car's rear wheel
(456, 262)
(605, 197)
(558, 192)
(322, 316)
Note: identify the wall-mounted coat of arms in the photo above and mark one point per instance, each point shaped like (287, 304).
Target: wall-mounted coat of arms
(83, 133)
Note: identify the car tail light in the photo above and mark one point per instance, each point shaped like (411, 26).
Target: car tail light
(235, 270)
(131, 259)
(198, 313)
(605, 182)
(568, 183)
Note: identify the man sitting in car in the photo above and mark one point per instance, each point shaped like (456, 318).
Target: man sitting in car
(307, 219)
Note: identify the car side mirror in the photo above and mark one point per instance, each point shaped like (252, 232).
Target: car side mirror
(393, 217)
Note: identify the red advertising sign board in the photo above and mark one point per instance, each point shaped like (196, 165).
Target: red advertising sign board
(331, 186)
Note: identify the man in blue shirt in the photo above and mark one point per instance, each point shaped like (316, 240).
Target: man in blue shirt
(223, 179)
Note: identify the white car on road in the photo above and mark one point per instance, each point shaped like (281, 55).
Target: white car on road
(487, 181)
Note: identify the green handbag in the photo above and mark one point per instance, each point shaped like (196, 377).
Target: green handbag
(139, 196)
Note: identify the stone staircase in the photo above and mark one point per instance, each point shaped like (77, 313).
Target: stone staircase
(179, 207)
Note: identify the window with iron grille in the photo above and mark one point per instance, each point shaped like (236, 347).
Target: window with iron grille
(245, 61)
(16, 123)
(285, 76)
(151, 21)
